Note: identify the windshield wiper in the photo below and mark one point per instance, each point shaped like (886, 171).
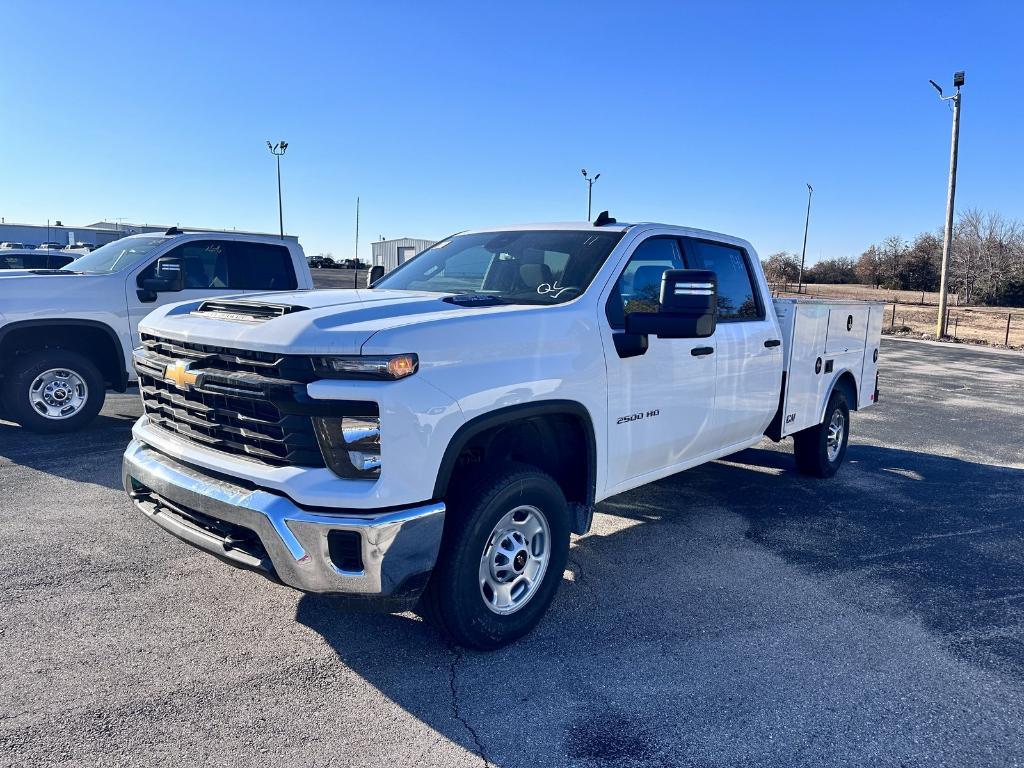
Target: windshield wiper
(55, 272)
(474, 300)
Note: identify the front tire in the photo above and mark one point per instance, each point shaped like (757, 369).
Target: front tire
(504, 551)
(820, 450)
(53, 390)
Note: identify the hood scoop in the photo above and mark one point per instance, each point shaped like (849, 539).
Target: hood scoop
(245, 311)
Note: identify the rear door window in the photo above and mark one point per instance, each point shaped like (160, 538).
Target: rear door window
(260, 267)
(737, 296)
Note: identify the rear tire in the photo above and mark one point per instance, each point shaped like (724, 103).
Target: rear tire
(52, 390)
(505, 546)
(820, 450)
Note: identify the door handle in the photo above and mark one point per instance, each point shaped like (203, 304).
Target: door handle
(701, 351)
(772, 342)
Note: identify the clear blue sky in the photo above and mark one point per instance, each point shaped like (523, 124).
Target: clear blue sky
(483, 113)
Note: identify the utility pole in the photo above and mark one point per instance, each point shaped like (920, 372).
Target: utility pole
(803, 253)
(355, 268)
(947, 240)
(277, 150)
(590, 189)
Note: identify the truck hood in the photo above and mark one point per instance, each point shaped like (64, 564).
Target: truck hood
(318, 322)
(23, 292)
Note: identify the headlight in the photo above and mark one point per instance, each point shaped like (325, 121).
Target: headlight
(366, 366)
(350, 444)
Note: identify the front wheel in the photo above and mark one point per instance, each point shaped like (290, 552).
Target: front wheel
(820, 450)
(53, 390)
(504, 551)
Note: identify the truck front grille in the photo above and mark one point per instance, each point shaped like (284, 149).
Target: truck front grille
(249, 404)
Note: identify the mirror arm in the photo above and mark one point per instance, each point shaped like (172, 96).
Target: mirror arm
(630, 344)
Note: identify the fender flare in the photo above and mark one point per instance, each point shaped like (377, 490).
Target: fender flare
(832, 388)
(120, 384)
(508, 415)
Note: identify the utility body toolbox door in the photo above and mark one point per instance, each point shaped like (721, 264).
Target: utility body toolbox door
(804, 335)
(868, 377)
(847, 329)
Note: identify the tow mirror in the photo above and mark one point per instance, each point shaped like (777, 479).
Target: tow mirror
(687, 307)
(376, 273)
(168, 276)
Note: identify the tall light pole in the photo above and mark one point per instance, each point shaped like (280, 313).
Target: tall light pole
(277, 150)
(803, 253)
(590, 189)
(947, 240)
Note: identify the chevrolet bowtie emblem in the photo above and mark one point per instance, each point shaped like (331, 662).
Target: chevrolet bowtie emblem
(180, 376)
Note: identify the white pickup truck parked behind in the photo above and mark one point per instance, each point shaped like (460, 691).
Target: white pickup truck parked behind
(67, 334)
(439, 436)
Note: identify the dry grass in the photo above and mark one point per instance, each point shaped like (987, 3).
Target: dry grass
(867, 293)
(973, 325)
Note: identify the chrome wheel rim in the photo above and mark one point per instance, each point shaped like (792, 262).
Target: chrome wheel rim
(834, 441)
(515, 559)
(58, 393)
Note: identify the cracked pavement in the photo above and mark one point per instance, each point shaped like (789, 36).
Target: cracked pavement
(734, 615)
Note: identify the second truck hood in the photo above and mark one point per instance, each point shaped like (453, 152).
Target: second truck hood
(330, 321)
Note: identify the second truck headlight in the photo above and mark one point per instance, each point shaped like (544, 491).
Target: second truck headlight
(350, 444)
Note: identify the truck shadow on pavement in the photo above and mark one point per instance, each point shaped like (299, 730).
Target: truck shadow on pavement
(91, 455)
(715, 596)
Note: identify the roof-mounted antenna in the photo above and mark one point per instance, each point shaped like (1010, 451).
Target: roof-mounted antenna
(173, 231)
(602, 219)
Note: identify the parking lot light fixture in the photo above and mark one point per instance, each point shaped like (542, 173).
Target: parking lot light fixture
(590, 188)
(277, 150)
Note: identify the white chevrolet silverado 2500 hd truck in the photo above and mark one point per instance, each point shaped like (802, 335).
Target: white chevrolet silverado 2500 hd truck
(67, 334)
(439, 436)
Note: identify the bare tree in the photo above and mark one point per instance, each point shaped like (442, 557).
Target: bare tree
(782, 268)
(868, 268)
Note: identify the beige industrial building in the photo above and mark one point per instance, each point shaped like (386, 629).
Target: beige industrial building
(390, 253)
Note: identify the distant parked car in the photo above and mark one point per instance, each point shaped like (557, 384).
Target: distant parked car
(22, 246)
(27, 258)
(49, 246)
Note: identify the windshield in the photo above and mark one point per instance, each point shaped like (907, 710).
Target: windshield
(117, 255)
(528, 267)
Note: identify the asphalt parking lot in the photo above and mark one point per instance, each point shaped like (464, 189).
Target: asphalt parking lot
(735, 615)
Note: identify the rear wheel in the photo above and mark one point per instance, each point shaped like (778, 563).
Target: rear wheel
(820, 450)
(53, 390)
(504, 551)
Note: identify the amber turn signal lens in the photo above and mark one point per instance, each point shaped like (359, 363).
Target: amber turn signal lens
(401, 366)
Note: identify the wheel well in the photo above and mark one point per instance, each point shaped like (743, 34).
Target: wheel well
(95, 341)
(560, 443)
(848, 386)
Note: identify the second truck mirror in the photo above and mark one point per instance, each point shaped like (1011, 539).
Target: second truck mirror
(169, 276)
(375, 274)
(687, 307)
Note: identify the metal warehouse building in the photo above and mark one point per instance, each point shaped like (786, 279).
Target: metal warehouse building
(390, 253)
(100, 233)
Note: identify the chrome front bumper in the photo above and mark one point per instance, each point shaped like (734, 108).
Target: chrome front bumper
(398, 548)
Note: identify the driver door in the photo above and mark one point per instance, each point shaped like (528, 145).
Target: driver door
(205, 263)
(660, 400)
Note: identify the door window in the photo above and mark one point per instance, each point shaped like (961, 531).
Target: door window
(737, 298)
(639, 286)
(224, 264)
(204, 263)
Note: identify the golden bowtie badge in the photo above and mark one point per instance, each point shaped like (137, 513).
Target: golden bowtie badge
(178, 374)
